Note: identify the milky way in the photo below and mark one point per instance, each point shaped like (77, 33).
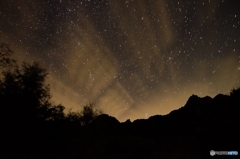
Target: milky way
(132, 58)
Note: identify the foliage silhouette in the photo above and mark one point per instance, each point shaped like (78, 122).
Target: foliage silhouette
(27, 115)
(23, 92)
(84, 117)
(89, 113)
(5, 54)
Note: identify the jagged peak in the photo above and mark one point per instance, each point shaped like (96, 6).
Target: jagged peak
(106, 118)
(192, 99)
(127, 121)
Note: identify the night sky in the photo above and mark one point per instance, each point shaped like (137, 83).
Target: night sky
(133, 58)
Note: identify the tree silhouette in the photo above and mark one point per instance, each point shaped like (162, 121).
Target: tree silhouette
(86, 116)
(24, 96)
(24, 92)
(89, 113)
(5, 54)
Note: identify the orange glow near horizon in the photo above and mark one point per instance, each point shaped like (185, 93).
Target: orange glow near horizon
(134, 59)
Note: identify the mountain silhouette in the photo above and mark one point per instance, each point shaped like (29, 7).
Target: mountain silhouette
(192, 131)
(201, 125)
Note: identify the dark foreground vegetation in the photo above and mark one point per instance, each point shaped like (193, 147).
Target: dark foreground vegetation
(32, 127)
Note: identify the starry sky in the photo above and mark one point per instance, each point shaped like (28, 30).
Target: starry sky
(133, 58)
